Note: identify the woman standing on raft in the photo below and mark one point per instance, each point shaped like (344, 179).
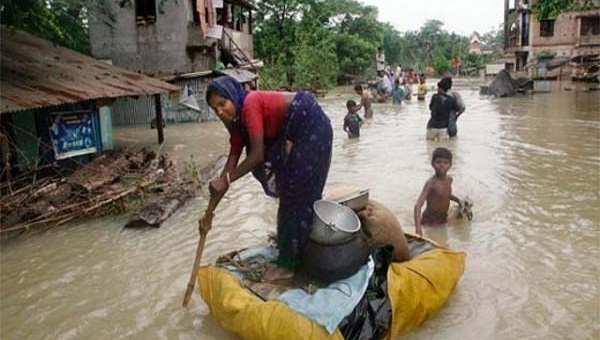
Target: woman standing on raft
(288, 142)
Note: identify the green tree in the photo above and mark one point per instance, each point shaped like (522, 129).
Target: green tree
(275, 32)
(430, 36)
(392, 43)
(315, 70)
(357, 36)
(63, 22)
(354, 54)
(441, 64)
(297, 32)
(271, 75)
(549, 9)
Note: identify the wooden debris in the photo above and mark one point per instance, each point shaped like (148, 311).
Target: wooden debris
(156, 213)
(114, 176)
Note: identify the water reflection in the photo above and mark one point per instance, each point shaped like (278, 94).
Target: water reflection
(530, 164)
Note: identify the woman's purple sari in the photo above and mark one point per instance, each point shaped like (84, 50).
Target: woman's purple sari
(297, 178)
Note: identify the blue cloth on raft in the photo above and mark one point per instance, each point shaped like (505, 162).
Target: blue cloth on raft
(344, 294)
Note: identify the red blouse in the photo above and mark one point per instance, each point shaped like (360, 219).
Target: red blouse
(263, 115)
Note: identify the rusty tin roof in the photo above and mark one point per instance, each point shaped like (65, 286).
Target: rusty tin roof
(35, 73)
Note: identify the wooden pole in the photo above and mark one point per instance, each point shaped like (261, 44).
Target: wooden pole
(159, 118)
(196, 266)
(560, 78)
(212, 205)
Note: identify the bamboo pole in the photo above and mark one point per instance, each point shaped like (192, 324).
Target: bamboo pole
(212, 205)
(196, 266)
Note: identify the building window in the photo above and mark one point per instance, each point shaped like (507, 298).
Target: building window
(546, 28)
(590, 26)
(145, 12)
(224, 15)
(193, 15)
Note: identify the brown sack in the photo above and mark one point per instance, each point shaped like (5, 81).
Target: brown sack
(383, 228)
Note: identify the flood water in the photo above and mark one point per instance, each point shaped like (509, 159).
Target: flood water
(530, 164)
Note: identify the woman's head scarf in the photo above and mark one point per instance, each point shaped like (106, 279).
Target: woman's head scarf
(230, 89)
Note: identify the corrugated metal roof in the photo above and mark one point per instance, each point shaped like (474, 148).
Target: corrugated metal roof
(35, 73)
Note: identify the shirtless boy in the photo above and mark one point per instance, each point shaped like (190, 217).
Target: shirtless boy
(365, 101)
(437, 192)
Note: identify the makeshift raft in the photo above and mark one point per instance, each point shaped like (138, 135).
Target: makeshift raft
(416, 289)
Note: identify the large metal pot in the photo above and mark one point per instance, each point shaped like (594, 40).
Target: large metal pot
(329, 263)
(333, 223)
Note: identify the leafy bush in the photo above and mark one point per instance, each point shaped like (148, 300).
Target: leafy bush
(315, 70)
(273, 75)
(440, 63)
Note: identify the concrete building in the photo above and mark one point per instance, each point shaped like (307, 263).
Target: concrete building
(179, 41)
(572, 34)
(164, 38)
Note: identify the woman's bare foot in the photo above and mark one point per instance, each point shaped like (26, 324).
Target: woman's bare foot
(274, 273)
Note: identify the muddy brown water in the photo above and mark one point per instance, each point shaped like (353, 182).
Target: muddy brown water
(531, 165)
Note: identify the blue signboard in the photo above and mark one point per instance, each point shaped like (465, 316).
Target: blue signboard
(72, 133)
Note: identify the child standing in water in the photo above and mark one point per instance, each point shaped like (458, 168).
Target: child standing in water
(365, 101)
(437, 192)
(397, 93)
(352, 120)
(421, 88)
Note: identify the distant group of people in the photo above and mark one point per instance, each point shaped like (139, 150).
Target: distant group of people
(395, 83)
(445, 108)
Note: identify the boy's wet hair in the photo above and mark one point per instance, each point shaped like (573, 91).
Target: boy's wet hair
(358, 87)
(350, 103)
(441, 153)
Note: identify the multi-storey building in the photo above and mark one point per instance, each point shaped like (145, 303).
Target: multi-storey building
(570, 35)
(179, 41)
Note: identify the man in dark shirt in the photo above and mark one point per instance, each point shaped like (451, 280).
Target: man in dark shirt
(441, 106)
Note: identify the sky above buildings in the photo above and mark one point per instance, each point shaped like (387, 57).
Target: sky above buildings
(460, 16)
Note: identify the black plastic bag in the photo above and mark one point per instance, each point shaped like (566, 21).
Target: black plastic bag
(371, 317)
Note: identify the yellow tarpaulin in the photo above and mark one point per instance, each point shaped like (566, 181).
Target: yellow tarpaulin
(244, 314)
(417, 289)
